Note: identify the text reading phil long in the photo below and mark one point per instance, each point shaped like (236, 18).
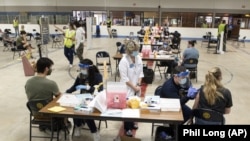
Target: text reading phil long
(215, 133)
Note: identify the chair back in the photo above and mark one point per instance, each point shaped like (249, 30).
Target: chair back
(101, 57)
(158, 90)
(207, 117)
(102, 54)
(190, 63)
(35, 106)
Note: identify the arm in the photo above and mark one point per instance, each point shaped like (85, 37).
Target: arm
(78, 38)
(123, 69)
(73, 87)
(229, 103)
(98, 80)
(227, 110)
(59, 29)
(196, 101)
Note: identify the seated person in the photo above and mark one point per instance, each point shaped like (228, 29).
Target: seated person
(6, 38)
(39, 87)
(190, 52)
(170, 64)
(22, 43)
(120, 48)
(28, 34)
(89, 77)
(213, 95)
(177, 87)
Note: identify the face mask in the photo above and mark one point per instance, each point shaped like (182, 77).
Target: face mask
(84, 72)
(49, 72)
(183, 81)
(135, 53)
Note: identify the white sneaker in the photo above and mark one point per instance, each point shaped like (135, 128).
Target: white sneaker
(96, 136)
(70, 66)
(77, 132)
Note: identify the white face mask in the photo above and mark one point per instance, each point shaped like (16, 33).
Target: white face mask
(183, 81)
(84, 72)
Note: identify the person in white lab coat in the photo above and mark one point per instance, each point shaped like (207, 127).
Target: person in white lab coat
(131, 69)
(131, 72)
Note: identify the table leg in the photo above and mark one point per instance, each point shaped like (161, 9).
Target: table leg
(176, 132)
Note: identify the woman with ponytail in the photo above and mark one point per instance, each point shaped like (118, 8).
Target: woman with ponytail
(213, 95)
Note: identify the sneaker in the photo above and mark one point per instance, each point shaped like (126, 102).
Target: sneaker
(96, 136)
(77, 131)
(70, 66)
(129, 133)
(42, 128)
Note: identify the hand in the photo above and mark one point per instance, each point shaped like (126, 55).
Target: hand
(137, 88)
(192, 92)
(85, 87)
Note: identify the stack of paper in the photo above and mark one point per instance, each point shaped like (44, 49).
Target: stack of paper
(99, 102)
(69, 100)
(170, 104)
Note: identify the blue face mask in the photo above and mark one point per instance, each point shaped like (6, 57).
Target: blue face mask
(135, 53)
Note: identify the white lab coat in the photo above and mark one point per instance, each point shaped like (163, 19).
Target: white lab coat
(130, 71)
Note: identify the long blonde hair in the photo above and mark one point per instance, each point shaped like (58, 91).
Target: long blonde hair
(212, 84)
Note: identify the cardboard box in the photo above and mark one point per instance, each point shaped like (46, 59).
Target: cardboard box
(126, 138)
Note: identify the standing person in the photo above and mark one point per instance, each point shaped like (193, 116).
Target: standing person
(80, 38)
(89, 77)
(213, 95)
(69, 45)
(131, 72)
(176, 87)
(223, 28)
(16, 26)
(204, 24)
(109, 23)
(40, 87)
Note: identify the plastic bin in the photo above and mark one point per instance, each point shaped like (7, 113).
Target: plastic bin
(116, 95)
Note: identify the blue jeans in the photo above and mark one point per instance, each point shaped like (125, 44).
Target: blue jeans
(91, 124)
(16, 31)
(69, 54)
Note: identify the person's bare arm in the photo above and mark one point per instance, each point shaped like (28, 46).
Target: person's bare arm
(196, 101)
(227, 110)
(59, 29)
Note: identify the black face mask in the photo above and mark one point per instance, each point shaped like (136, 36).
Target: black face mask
(50, 71)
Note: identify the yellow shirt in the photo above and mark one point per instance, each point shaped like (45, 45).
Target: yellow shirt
(69, 35)
(15, 23)
(221, 28)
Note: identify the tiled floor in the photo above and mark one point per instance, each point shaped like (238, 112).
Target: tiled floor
(15, 116)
